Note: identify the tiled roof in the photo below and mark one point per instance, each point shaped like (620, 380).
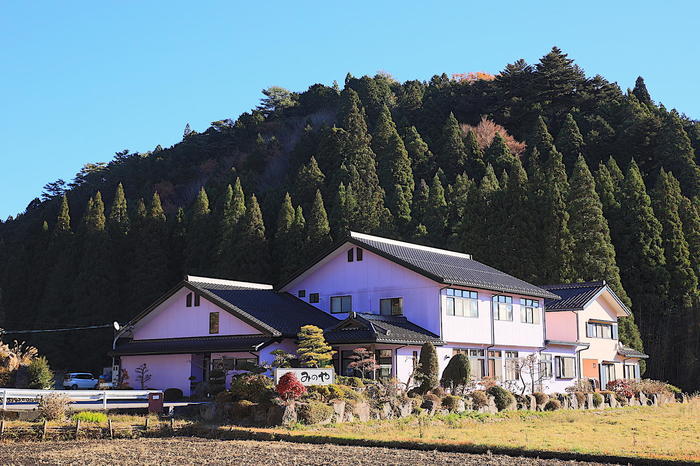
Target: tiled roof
(447, 267)
(630, 352)
(281, 312)
(192, 345)
(574, 296)
(373, 328)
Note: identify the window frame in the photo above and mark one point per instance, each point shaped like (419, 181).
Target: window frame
(197, 300)
(497, 301)
(547, 365)
(530, 311)
(595, 329)
(214, 323)
(343, 299)
(301, 293)
(359, 254)
(560, 367)
(466, 301)
(188, 299)
(314, 298)
(398, 299)
(351, 255)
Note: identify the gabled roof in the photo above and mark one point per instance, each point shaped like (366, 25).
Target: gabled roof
(193, 345)
(373, 328)
(623, 350)
(273, 313)
(440, 265)
(575, 296)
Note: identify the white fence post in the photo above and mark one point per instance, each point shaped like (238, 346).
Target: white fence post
(104, 400)
(4, 400)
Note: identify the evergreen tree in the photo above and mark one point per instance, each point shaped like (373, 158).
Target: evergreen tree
(345, 207)
(642, 266)
(569, 142)
(312, 349)
(690, 216)
(284, 247)
(422, 160)
(675, 153)
(420, 202)
(318, 230)
(641, 92)
(309, 180)
(427, 372)
(118, 216)
(457, 373)
(475, 165)
(199, 235)
(452, 156)
(436, 213)
(542, 140)
(500, 156)
(253, 258)
(232, 212)
(593, 251)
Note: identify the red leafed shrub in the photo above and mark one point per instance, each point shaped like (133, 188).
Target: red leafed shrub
(486, 130)
(289, 387)
(620, 387)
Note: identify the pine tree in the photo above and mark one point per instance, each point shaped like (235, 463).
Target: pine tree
(514, 237)
(232, 211)
(318, 229)
(254, 256)
(199, 237)
(641, 92)
(420, 202)
(475, 165)
(436, 213)
(361, 165)
(452, 156)
(422, 160)
(690, 216)
(642, 266)
(309, 180)
(593, 251)
(284, 248)
(394, 167)
(119, 216)
(569, 142)
(63, 220)
(344, 210)
(457, 205)
(312, 349)
(500, 156)
(542, 140)
(675, 153)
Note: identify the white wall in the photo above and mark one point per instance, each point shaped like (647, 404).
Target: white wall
(167, 371)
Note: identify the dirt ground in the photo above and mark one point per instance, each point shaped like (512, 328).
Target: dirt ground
(202, 451)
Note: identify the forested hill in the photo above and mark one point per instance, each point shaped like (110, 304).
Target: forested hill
(540, 170)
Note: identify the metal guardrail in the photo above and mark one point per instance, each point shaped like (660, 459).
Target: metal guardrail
(75, 396)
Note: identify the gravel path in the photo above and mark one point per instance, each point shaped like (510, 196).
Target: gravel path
(240, 452)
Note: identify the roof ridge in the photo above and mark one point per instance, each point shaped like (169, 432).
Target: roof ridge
(567, 286)
(447, 252)
(222, 281)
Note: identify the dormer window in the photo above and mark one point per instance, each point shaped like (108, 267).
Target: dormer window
(351, 255)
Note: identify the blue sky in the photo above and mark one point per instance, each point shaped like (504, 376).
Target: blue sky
(82, 80)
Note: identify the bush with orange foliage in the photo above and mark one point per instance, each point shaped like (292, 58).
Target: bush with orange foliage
(473, 76)
(486, 130)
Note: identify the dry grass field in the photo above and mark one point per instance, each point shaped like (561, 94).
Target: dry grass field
(670, 432)
(239, 452)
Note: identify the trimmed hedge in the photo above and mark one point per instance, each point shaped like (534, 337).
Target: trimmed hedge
(552, 405)
(314, 412)
(502, 397)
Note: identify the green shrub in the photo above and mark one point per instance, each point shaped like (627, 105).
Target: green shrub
(252, 387)
(502, 397)
(479, 399)
(580, 397)
(332, 392)
(39, 374)
(457, 372)
(673, 389)
(175, 394)
(552, 405)
(350, 381)
(428, 370)
(242, 409)
(540, 398)
(90, 416)
(314, 412)
(451, 403)
(597, 400)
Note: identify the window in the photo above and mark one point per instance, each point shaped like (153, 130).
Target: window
(341, 304)
(502, 307)
(529, 311)
(512, 365)
(213, 322)
(601, 330)
(546, 366)
(629, 371)
(196, 300)
(234, 364)
(359, 254)
(565, 367)
(391, 307)
(384, 361)
(462, 303)
(495, 364)
(609, 372)
(301, 293)
(313, 297)
(477, 361)
(188, 300)
(351, 255)
(415, 360)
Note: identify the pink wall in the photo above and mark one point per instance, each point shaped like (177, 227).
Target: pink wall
(167, 371)
(172, 319)
(562, 326)
(368, 281)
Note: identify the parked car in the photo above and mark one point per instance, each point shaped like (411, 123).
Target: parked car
(80, 380)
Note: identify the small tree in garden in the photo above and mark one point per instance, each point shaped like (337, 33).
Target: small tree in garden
(289, 388)
(40, 375)
(457, 373)
(123, 379)
(528, 370)
(313, 350)
(282, 358)
(363, 361)
(427, 372)
(143, 375)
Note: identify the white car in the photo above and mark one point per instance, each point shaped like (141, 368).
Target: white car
(80, 381)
